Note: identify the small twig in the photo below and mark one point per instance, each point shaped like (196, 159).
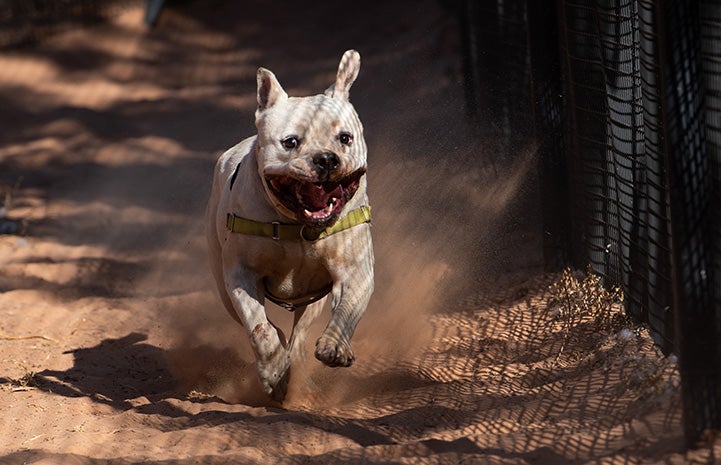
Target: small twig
(23, 388)
(4, 337)
(34, 438)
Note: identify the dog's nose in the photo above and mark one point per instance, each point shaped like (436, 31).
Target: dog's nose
(326, 162)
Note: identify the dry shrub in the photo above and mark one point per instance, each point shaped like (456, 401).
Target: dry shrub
(584, 309)
(589, 329)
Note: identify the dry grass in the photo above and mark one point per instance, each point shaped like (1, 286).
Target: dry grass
(580, 300)
(26, 382)
(595, 330)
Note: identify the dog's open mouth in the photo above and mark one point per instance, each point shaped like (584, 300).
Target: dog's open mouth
(315, 203)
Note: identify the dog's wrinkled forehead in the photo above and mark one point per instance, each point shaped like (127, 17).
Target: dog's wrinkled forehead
(313, 120)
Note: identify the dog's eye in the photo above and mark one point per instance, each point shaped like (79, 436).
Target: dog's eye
(290, 142)
(345, 138)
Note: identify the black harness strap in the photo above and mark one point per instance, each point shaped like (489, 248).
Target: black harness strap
(295, 303)
(234, 175)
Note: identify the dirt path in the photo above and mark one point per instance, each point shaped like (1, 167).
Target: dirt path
(115, 350)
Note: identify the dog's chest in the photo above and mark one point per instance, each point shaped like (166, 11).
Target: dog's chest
(292, 270)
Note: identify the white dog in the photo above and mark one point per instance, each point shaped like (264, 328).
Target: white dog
(289, 221)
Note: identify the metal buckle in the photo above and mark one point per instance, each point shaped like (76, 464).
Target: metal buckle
(276, 232)
(302, 236)
(366, 214)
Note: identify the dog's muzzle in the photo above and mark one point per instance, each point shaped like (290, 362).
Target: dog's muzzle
(316, 204)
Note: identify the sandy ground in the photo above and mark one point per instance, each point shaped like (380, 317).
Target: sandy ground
(114, 348)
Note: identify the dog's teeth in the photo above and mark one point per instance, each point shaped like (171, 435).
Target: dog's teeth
(320, 213)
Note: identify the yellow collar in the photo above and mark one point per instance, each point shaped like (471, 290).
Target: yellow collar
(279, 231)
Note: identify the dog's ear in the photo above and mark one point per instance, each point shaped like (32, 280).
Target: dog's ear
(347, 73)
(269, 90)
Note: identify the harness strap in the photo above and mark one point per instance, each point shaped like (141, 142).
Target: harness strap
(234, 175)
(281, 231)
(292, 304)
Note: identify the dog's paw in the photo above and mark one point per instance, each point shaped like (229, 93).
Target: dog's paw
(272, 361)
(274, 376)
(280, 389)
(333, 352)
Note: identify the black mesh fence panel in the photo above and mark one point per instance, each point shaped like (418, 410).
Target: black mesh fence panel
(494, 39)
(626, 98)
(547, 106)
(692, 187)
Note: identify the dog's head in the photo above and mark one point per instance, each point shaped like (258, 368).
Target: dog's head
(311, 151)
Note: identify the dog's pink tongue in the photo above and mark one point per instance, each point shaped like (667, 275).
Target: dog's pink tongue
(319, 196)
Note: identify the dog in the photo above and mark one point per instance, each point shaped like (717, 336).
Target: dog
(288, 221)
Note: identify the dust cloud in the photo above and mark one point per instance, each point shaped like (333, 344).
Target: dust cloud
(450, 213)
(437, 234)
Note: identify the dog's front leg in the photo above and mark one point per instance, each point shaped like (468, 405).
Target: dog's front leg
(272, 358)
(351, 293)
